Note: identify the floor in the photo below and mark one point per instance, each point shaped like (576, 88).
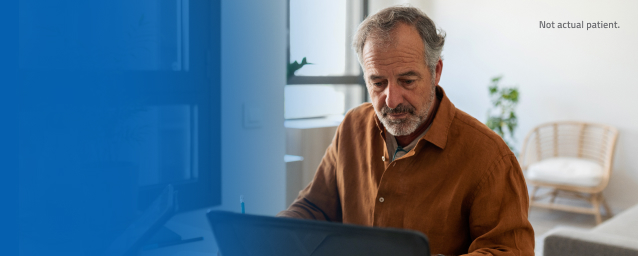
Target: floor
(544, 220)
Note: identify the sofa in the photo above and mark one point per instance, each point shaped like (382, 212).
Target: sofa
(616, 236)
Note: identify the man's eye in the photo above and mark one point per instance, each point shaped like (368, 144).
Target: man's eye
(408, 81)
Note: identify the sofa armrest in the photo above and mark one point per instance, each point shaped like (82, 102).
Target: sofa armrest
(570, 241)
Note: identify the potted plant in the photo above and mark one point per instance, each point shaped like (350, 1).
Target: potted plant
(501, 117)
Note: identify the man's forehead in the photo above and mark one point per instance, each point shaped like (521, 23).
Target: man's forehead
(396, 57)
(398, 60)
(382, 75)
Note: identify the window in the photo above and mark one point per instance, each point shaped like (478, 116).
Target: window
(321, 32)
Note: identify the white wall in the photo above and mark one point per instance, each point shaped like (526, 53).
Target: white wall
(563, 74)
(253, 73)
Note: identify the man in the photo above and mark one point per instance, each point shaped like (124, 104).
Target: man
(411, 159)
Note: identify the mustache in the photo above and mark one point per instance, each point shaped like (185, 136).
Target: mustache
(400, 109)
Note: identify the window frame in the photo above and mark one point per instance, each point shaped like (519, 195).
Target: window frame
(322, 80)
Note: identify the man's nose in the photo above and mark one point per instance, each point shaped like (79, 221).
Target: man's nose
(394, 96)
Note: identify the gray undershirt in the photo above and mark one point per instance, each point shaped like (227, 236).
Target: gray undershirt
(395, 150)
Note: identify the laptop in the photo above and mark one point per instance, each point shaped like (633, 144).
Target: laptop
(243, 234)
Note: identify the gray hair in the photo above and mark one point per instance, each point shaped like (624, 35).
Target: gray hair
(381, 24)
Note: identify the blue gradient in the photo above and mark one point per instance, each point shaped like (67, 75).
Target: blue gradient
(117, 99)
(9, 128)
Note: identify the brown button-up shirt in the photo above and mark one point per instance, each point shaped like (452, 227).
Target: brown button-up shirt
(461, 186)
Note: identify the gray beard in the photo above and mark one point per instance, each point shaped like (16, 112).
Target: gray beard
(408, 125)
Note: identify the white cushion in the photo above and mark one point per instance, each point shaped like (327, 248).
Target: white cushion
(567, 171)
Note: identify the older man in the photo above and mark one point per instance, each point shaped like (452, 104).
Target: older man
(411, 159)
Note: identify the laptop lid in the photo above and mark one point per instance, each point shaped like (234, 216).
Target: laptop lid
(243, 234)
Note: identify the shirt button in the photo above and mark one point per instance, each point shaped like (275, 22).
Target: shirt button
(383, 158)
(381, 199)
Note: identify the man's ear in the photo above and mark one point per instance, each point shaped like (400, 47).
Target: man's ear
(438, 70)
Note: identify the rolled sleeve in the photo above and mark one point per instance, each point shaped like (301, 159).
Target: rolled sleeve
(320, 199)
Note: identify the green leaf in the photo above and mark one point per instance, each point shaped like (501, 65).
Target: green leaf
(499, 129)
(493, 122)
(510, 128)
(514, 95)
(493, 89)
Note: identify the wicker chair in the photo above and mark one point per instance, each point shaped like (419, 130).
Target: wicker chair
(572, 159)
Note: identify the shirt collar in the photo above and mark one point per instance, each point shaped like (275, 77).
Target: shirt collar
(439, 129)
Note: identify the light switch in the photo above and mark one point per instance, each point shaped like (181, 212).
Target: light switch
(253, 116)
